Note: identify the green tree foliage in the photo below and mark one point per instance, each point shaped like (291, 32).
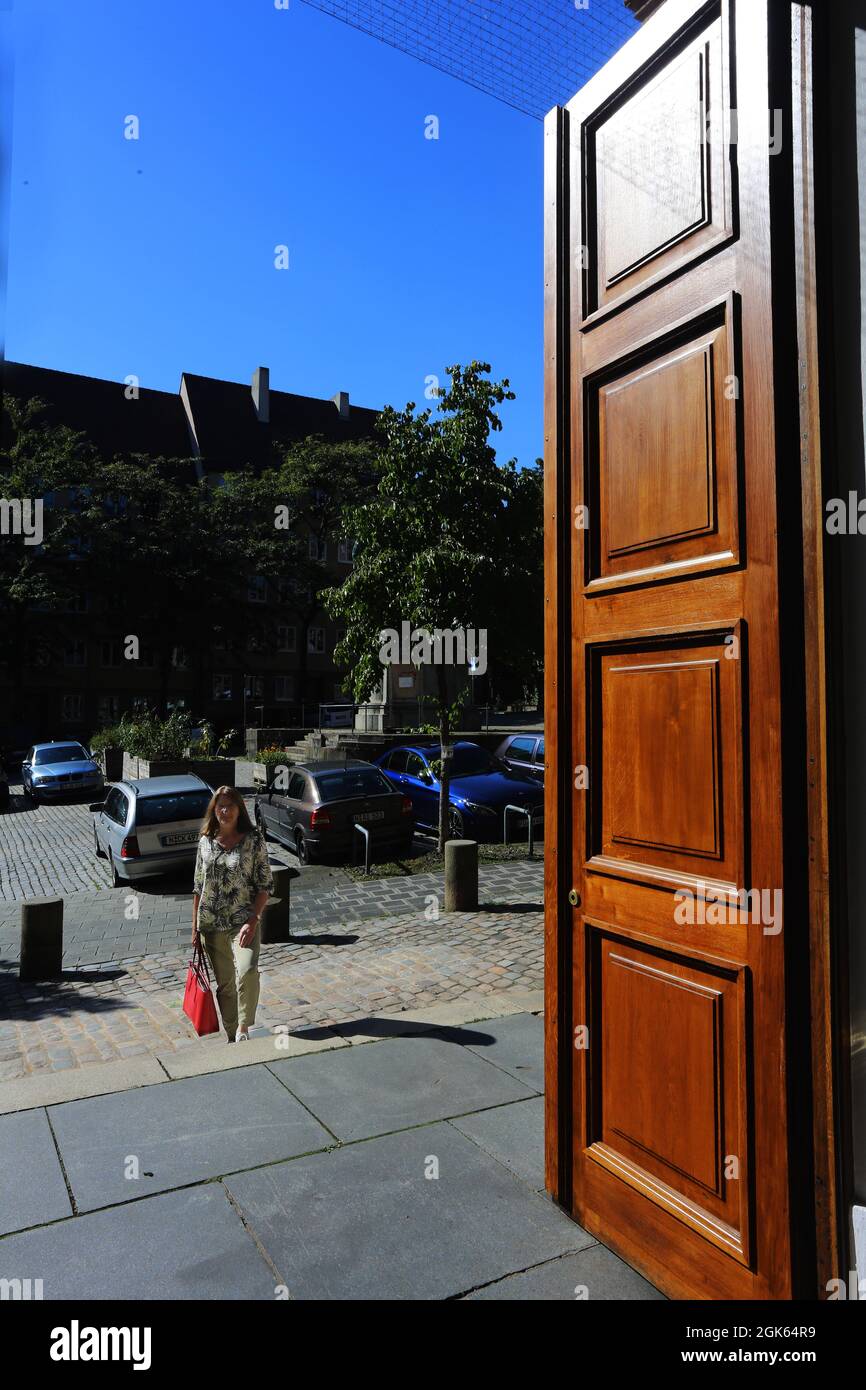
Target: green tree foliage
(441, 544)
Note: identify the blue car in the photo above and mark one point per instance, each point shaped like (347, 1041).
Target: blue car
(56, 769)
(479, 790)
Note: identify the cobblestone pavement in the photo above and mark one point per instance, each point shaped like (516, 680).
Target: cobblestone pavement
(100, 1014)
(118, 923)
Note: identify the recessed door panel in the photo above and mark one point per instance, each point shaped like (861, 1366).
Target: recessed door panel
(665, 796)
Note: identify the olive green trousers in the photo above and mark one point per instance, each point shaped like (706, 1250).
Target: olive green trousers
(236, 971)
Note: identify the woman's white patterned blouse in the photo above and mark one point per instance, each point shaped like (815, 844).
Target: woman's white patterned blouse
(228, 880)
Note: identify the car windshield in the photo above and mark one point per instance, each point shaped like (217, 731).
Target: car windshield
(65, 753)
(351, 781)
(160, 810)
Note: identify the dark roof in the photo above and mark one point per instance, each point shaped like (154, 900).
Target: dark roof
(334, 765)
(154, 424)
(228, 431)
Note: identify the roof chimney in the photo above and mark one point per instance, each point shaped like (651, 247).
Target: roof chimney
(262, 394)
(341, 401)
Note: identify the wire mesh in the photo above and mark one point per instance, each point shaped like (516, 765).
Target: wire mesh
(531, 54)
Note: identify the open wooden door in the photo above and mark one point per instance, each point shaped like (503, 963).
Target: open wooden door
(679, 1063)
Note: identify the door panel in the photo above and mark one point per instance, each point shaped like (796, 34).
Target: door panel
(671, 1030)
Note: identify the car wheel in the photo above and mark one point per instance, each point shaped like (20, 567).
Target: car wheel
(116, 880)
(260, 822)
(455, 824)
(100, 853)
(302, 849)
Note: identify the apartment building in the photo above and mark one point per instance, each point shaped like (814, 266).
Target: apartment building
(84, 682)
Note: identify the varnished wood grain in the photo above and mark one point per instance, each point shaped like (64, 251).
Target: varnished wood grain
(652, 1194)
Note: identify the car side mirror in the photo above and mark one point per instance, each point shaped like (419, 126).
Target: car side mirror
(97, 806)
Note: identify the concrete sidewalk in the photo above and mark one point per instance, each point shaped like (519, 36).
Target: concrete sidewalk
(393, 1157)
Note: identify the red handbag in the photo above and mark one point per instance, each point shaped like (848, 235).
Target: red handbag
(198, 1000)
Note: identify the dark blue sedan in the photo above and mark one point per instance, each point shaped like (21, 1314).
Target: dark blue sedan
(479, 790)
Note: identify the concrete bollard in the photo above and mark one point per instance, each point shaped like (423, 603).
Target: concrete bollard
(461, 876)
(41, 939)
(275, 918)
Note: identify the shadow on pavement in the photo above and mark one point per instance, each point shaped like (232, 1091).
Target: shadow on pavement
(394, 1028)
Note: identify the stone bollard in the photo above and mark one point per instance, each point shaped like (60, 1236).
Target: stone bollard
(275, 918)
(41, 939)
(461, 876)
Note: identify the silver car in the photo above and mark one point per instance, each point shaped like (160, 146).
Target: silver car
(56, 769)
(150, 826)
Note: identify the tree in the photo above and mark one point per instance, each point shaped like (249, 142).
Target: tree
(437, 543)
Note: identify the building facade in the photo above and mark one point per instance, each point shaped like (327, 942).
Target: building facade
(84, 682)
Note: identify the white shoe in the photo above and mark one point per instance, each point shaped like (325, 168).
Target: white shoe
(241, 1037)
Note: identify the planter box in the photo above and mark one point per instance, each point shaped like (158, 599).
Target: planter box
(112, 764)
(216, 772)
(263, 773)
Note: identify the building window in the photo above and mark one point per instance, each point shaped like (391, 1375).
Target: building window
(287, 638)
(344, 552)
(75, 653)
(108, 709)
(284, 687)
(257, 589)
(284, 591)
(222, 687)
(110, 653)
(254, 687)
(179, 658)
(71, 708)
(316, 640)
(145, 658)
(139, 704)
(318, 549)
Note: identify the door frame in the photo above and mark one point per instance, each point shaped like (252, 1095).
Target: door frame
(817, 1149)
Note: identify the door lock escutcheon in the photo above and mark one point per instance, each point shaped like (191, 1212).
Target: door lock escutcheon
(574, 898)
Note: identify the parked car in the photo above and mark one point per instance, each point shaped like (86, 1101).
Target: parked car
(4, 789)
(479, 789)
(55, 769)
(317, 811)
(150, 826)
(524, 753)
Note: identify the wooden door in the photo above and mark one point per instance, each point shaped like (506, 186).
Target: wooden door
(675, 1003)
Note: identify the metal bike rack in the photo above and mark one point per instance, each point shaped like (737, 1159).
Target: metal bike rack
(365, 832)
(521, 811)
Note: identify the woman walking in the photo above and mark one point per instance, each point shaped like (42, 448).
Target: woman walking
(232, 884)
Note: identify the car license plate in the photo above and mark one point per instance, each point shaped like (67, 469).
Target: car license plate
(185, 839)
(370, 815)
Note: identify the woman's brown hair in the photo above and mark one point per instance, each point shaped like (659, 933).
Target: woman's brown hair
(210, 824)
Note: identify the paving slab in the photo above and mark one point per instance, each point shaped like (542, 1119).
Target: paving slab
(592, 1275)
(411, 1080)
(179, 1133)
(52, 1088)
(516, 1044)
(32, 1190)
(196, 1061)
(514, 1134)
(366, 1222)
(184, 1245)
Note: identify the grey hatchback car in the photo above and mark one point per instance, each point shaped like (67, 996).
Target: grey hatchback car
(524, 753)
(317, 811)
(150, 826)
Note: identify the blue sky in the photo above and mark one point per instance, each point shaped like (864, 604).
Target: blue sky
(261, 127)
